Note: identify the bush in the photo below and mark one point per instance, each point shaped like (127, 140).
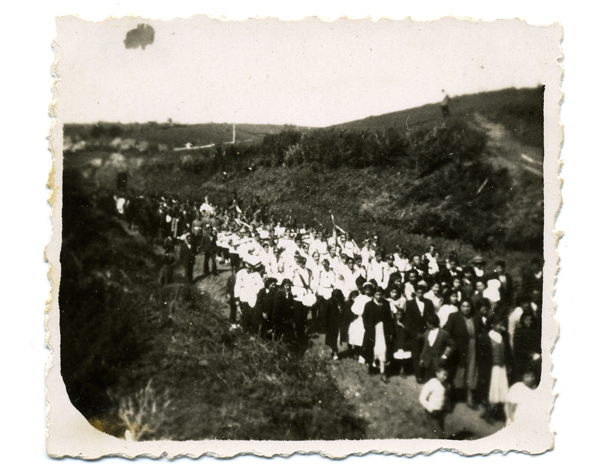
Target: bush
(454, 142)
(293, 155)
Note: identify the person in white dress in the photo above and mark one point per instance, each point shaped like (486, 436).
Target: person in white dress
(401, 259)
(435, 295)
(356, 331)
(433, 398)
(248, 282)
(450, 306)
(521, 397)
(397, 301)
(377, 270)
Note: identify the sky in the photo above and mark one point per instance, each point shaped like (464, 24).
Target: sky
(308, 73)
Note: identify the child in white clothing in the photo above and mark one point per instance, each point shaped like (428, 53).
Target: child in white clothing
(433, 398)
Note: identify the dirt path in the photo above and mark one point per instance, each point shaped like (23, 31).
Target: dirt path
(391, 410)
(505, 151)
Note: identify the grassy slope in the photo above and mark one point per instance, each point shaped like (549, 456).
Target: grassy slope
(519, 110)
(128, 344)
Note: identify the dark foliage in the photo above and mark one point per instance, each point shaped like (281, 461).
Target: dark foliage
(161, 362)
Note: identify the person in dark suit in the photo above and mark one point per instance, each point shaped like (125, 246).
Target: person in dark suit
(262, 319)
(283, 314)
(416, 312)
(465, 330)
(187, 256)
(437, 346)
(169, 260)
(334, 322)
(448, 273)
(527, 344)
(209, 246)
(230, 298)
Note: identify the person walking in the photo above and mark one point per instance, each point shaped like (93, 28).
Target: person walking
(187, 256)
(209, 246)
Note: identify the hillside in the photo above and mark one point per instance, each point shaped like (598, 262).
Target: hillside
(472, 182)
(161, 362)
(519, 110)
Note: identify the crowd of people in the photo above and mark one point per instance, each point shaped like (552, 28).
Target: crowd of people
(470, 333)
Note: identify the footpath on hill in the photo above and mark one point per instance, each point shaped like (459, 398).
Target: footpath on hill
(391, 410)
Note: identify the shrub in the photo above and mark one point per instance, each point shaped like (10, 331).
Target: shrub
(454, 142)
(293, 155)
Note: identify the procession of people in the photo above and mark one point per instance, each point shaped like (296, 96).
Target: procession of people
(466, 330)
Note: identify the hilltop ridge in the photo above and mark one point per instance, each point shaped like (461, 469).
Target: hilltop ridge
(519, 110)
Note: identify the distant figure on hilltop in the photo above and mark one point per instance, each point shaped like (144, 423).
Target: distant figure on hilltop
(445, 106)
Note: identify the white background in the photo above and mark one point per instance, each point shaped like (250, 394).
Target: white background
(27, 32)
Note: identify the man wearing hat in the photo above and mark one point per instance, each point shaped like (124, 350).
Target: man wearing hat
(479, 267)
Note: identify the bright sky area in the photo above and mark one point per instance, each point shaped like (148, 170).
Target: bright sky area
(308, 73)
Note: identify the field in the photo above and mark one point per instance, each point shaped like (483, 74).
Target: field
(174, 134)
(472, 185)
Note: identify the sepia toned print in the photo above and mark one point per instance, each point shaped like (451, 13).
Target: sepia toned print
(275, 237)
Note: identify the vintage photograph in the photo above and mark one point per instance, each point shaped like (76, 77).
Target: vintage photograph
(293, 233)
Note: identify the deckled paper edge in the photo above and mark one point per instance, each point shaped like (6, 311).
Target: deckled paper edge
(69, 434)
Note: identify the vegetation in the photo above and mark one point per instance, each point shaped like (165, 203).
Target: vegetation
(156, 362)
(152, 362)
(460, 179)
